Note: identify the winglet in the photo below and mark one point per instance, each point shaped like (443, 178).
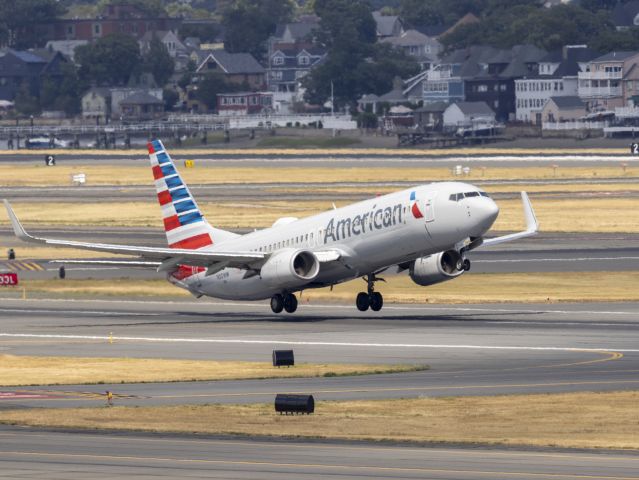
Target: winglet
(18, 229)
(532, 226)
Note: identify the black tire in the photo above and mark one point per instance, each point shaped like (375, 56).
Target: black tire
(466, 264)
(277, 303)
(290, 302)
(362, 301)
(376, 301)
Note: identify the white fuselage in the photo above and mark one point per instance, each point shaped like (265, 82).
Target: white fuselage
(369, 236)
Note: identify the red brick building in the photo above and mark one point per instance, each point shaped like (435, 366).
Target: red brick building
(244, 103)
(126, 19)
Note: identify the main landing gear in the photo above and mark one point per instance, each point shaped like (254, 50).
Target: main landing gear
(286, 302)
(370, 299)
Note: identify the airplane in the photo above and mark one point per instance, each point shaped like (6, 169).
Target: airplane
(426, 230)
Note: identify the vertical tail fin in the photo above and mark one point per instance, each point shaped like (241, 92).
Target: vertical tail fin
(184, 224)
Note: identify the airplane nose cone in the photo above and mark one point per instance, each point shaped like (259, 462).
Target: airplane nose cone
(486, 213)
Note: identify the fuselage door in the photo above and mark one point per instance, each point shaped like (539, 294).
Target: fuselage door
(429, 207)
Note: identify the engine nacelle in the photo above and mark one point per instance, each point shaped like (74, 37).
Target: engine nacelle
(290, 268)
(436, 268)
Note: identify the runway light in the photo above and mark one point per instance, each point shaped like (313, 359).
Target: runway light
(283, 358)
(293, 404)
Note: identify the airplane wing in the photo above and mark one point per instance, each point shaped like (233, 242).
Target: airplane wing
(532, 226)
(168, 258)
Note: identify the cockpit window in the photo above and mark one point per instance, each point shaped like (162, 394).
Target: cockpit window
(484, 194)
(456, 197)
(472, 194)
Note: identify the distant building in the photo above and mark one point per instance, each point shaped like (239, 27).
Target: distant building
(119, 95)
(65, 47)
(388, 25)
(96, 104)
(141, 106)
(170, 40)
(25, 71)
(423, 48)
(601, 86)
(244, 103)
(237, 68)
(117, 18)
(562, 109)
(557, 77)
(430, 117)
(468, 114)
(288, 66)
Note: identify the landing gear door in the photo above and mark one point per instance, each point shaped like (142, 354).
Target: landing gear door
(429, 207)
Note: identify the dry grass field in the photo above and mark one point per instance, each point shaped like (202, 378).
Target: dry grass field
(29, 370)
(555, 215)
(37, 174)
(570, 420)
(476, 288)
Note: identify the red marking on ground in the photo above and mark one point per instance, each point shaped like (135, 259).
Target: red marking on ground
(25, 395)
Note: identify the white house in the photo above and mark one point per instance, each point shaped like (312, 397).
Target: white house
(468, 114)
(558, 72)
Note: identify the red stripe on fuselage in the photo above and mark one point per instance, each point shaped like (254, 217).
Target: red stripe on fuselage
(416, 211)
(193, 243)
(157, 172)
(164, 197)
(171, 223)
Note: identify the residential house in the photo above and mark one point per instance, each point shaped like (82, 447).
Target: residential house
(601, 86)
(25, 71)
(119, 95)
(468, 114)
(296, 33)
(237, 68)
(557, 77)
(65, 47)
(170, 40)
(562, 109)
(288, 66)
(444, 82)
(368, 103)
(96, 103)
(244, 103)
(423, 48)
(494, 82)
(430, 117)
(141, 106)
(116, 18)
(388, 25)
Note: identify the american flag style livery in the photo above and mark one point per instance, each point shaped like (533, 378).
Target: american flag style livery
(184, 224)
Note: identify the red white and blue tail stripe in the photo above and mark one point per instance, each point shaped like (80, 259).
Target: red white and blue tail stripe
(184, 224)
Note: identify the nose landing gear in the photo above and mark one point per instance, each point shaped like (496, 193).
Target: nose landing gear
(370, 299)
(286, 302)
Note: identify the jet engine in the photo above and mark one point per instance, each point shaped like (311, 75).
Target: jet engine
(437, 268)
(290, 268)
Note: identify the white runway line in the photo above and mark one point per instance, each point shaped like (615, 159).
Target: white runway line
(84, 312)
(580, 259)
(304, 343)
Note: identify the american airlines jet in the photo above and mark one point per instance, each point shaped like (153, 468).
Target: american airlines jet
(425, 230)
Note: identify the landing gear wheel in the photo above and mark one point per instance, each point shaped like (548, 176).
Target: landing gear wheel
(277, 303)
(290, 302)
(376, 301)
(362, 301)
(466, 265)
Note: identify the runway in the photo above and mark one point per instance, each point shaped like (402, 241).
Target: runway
(471, 349)
(77, 455)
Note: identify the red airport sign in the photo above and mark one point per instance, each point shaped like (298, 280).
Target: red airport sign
(8, 279)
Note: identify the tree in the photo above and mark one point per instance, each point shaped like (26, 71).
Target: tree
(171, 97)
(206, 32)
(18, 20)
(158, 61)
(152, 8)
(209, 87)
(64, 92)
(249, 23)
(111, 60)
(355, 64)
